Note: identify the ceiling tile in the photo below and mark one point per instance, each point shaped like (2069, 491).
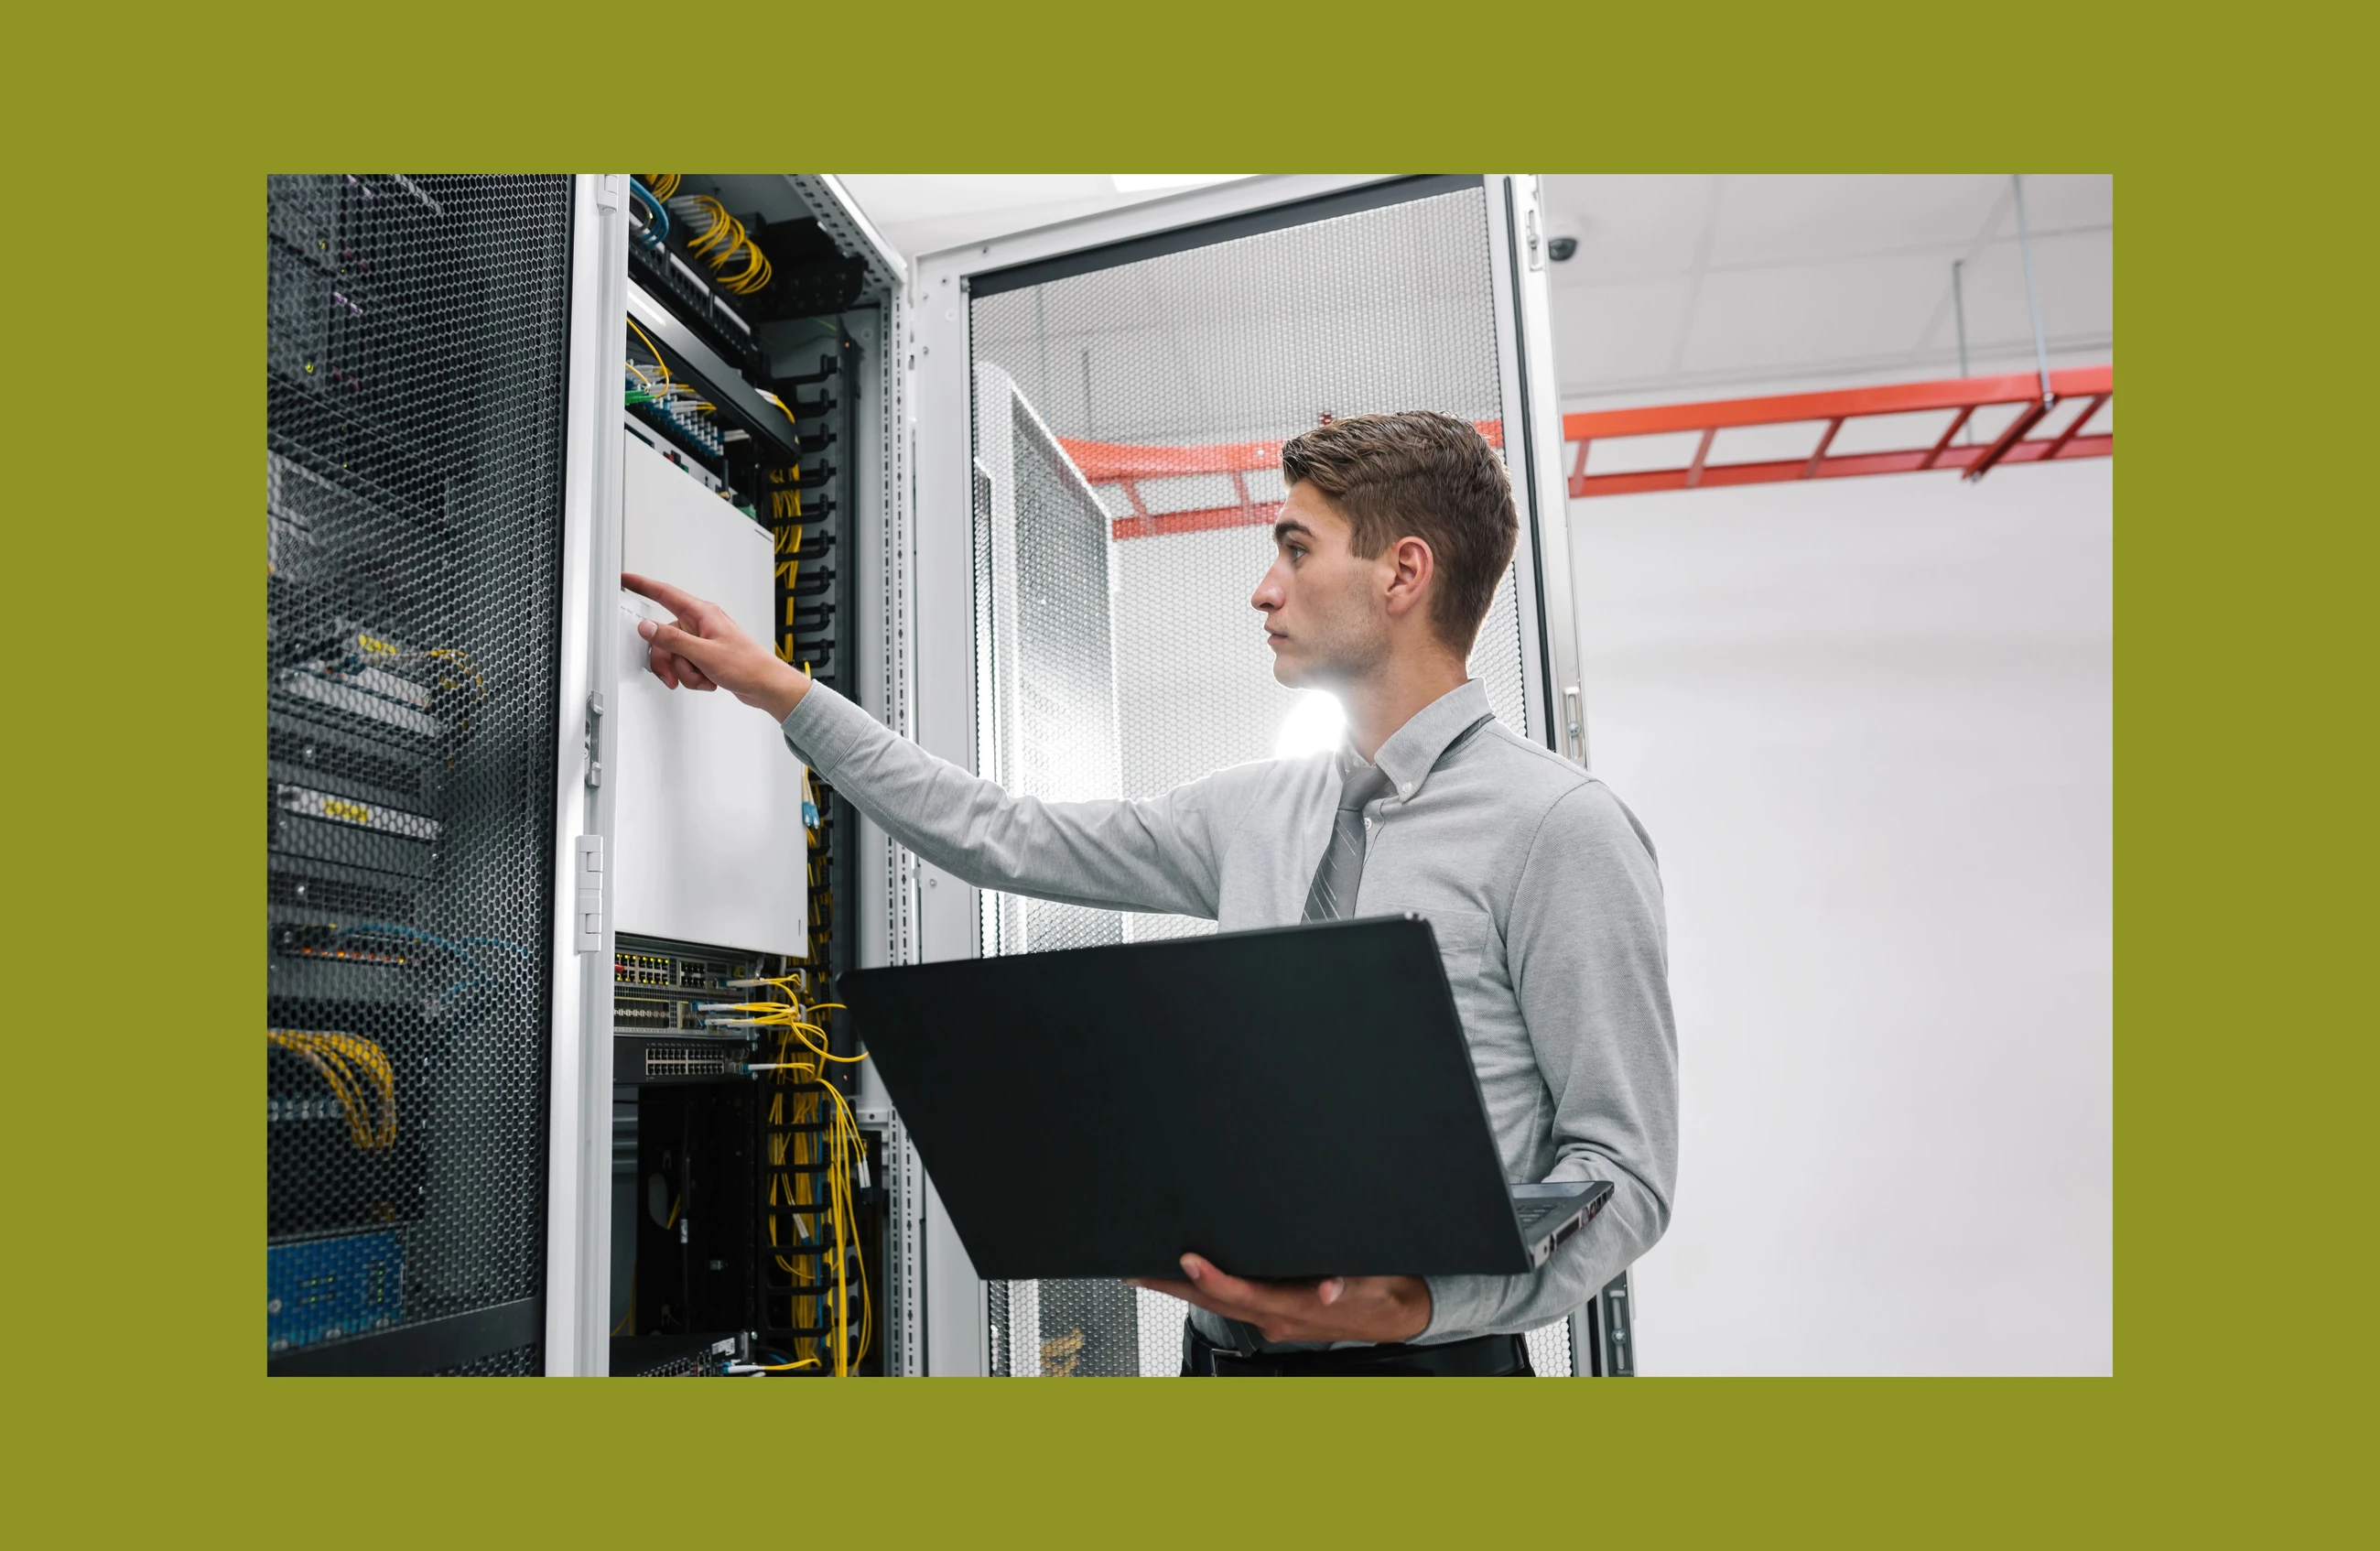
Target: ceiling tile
(1618, 332)
(2074, 275)
(1775, 319)
(1797, 220)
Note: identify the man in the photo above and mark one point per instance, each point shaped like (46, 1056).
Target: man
(1541, 887)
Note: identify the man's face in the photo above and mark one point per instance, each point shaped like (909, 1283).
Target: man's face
(1325, 615)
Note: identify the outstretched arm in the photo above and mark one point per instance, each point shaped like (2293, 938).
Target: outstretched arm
(1163, 855)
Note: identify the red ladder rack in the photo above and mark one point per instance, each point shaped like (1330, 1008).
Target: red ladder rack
(1833, 411)
(1122, 468)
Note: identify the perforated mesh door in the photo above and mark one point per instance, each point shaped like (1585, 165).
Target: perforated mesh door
(1127, 429)
(1549, 1352)
(414, 370)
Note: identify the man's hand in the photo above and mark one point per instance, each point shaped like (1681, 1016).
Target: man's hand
(1334, 1309)
(706, 650)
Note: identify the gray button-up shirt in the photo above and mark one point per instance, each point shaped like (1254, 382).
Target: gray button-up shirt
(1542, 889)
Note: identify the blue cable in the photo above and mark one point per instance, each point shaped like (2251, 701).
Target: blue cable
(660, 213)
(458, 946)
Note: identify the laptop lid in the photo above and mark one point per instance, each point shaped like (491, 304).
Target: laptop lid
(1290, 1102)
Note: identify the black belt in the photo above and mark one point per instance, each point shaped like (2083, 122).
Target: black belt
(1480, 1357)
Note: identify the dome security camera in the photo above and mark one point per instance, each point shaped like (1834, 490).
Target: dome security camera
(1560, 249)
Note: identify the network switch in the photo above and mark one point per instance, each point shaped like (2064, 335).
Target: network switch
(331, 943)
(317, 805)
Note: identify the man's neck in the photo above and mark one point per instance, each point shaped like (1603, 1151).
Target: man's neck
(1377, 706)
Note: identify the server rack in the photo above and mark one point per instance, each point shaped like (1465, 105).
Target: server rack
(450, 1082)
(796, 429)
(417, 511)
(529, 1090)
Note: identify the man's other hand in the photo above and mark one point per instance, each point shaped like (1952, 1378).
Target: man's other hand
(706, 650)
(1334, 1309)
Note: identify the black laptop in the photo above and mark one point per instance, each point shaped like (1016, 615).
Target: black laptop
(1290, 1103)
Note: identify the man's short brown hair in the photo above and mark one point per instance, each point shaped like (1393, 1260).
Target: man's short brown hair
(1424, 475)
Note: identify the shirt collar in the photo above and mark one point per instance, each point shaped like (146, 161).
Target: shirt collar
(1413, 750)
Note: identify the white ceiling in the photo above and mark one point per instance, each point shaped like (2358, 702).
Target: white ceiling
(1716, 286)
(1697, 285)
(922, 212)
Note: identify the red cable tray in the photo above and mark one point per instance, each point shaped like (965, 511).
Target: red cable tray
(1964, 395)
(1123, 466)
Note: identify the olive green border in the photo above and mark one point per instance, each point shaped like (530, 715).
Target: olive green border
(2245, 715)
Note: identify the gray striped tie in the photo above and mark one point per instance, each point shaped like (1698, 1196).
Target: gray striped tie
(1333, 893)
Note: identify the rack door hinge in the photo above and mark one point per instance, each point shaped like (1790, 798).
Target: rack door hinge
(594, 738)
(587, 911)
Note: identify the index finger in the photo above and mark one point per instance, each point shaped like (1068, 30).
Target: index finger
(677, 600)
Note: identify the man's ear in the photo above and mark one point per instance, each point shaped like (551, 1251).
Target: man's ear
(1412, 568)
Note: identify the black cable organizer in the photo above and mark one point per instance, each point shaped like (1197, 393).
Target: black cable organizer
(804, 1236)
(812, 596)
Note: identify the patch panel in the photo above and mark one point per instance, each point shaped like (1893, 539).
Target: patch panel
(346, 947)
(277, 1111)
(681, 421)
(642, 968)
(369, 674)
(314, 803)
(654, 264)
(668, 1358)
(693, 1060)
(643, 964)
(641, 1057)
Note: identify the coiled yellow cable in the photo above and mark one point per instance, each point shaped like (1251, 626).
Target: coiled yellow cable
(336, 1058)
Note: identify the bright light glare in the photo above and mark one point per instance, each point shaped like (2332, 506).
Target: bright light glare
(1142, 182)
(1315, 722)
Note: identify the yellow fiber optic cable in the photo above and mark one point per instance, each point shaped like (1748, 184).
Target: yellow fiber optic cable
(659, 364)
(348, 1065)
(781, 405)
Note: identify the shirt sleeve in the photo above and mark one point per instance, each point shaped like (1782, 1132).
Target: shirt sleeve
(1588, 953)
(1162, 855)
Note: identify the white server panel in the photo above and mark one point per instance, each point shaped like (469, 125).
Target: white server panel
(710, 846)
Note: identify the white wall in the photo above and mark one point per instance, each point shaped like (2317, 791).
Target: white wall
(1867, 722)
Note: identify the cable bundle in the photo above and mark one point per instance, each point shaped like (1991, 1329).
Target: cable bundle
(721, 242)
(348, 1063)
(799, 1066)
